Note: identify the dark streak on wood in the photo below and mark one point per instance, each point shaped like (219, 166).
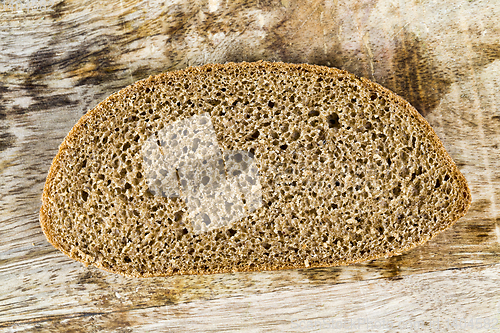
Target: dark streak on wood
(58, 10)
(320, 276)
(486, 54)
(414, 76)
(7, 139)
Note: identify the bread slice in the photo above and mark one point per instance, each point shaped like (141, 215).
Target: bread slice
(248, 166)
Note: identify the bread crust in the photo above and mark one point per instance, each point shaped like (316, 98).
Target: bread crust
(100, 110)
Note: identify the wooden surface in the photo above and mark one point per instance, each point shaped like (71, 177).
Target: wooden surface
(60, 60)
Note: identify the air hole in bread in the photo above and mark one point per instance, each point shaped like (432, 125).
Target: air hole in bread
(253, 136)
(333, 121)
(313, 113)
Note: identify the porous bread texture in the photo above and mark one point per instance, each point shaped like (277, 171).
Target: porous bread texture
(184, 159)
(348, 172)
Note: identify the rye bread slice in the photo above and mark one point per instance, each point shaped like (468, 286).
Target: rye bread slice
(248, 166)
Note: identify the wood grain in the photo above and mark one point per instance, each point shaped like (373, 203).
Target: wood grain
(447, 301)
(58, 62)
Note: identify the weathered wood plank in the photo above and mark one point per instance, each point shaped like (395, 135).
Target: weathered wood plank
(447, 301)
(58, 62)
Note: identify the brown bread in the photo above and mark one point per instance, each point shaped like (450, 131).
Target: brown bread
(248, 166)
